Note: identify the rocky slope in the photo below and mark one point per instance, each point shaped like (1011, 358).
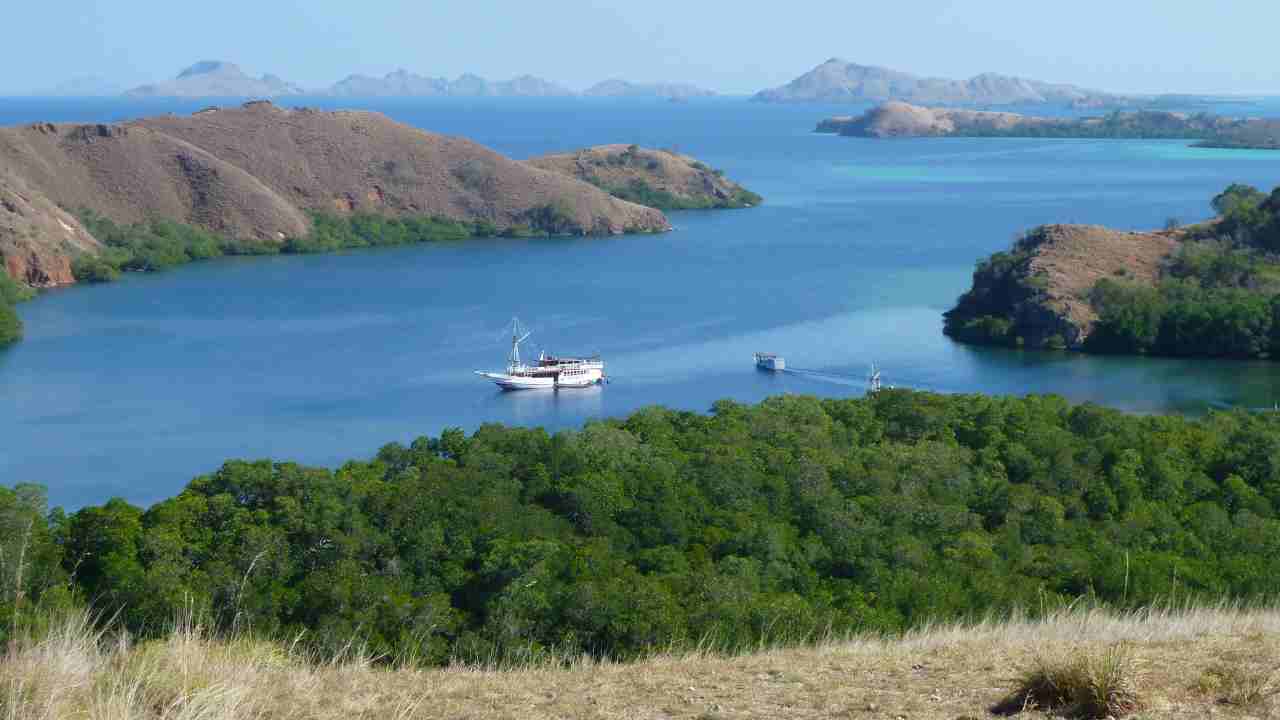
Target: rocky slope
(838, 80)
(900, 119)
(658, 178)
(1037, 294)
(37, 238)
(257, 171)
(215, 78)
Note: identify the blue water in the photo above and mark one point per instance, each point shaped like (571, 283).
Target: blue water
(134, 388)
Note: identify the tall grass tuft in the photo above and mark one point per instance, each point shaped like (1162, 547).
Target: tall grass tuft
(1234, 684)
(1081, 683)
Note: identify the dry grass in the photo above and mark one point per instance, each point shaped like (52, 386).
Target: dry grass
(935, 673)
(1073, 258)
(1238, 683)
(1081, 683)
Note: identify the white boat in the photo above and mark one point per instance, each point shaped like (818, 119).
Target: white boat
(549, 373)
(771, 362)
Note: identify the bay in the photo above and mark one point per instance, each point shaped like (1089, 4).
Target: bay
(132, 389)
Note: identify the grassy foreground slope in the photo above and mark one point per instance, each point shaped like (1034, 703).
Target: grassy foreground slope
(1180, 664)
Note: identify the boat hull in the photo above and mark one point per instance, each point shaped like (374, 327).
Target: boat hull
(546, 382)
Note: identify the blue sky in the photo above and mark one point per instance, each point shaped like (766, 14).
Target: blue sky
(1119, 45)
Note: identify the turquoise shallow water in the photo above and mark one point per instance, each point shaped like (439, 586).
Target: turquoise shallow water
(134, 388)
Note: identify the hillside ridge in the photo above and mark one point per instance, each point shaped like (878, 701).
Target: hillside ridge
(259, 171)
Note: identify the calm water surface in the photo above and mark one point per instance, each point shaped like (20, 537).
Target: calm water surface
(134, 388)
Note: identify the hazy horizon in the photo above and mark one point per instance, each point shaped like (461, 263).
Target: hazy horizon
(1139, 47)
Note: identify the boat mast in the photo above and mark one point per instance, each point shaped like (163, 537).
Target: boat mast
(513, 361)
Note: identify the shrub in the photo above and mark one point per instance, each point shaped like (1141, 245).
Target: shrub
(158, 244)
(13, 292)
(553, 219)
(10, 325)
(93, 269)
(1081, 684)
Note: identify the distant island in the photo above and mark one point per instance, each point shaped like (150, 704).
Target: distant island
(1205, 290)
(217, 78)
(899, 119)
(838, 80)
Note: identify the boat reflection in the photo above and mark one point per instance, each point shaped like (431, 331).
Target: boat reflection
(533, 407)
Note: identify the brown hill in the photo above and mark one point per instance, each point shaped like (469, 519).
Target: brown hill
(657, 178)
(1041, 287)
(255, 171)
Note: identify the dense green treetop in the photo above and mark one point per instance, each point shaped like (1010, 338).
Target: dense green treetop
(781, 521)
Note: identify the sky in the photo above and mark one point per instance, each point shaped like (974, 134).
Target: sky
(1139, 46)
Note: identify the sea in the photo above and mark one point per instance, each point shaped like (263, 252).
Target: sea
(134, 388)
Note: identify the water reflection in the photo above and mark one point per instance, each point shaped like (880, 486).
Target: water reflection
(554, 407)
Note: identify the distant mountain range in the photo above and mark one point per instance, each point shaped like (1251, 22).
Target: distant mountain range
(834, 81)
(403, 83)
(215, 78)
(838, 80)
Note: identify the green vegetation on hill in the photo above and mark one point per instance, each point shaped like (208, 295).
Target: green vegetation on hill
(1218, 295)
(644, 194)
(11, 293)
(154, 245)
(1117, 125)
(641, 192)
(1002, 288)
(782, 521)
(903, 120)
(159, 244)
